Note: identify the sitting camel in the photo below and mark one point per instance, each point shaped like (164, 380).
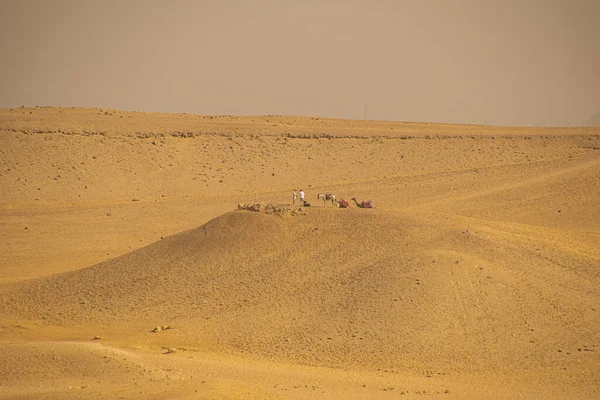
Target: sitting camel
(364, 204)
(343, 203)
(327, 197)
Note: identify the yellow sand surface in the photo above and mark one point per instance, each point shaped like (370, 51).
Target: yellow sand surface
(128, 271)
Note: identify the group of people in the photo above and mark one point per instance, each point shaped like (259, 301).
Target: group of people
(299, 196)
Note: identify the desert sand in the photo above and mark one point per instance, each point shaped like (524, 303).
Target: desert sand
(128, 272)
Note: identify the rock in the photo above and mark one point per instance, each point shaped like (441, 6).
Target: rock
(161, 328)
(250, 207)
(270, 208)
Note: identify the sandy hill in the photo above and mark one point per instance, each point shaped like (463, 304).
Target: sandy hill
(339, 287)
(478, 269)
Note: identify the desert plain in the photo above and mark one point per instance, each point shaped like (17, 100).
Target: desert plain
(127, 270)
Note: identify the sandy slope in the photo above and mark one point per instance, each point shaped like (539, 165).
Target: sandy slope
(478, 271)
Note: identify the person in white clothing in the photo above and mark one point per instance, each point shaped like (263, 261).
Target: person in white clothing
(294, 196)
(301, 197)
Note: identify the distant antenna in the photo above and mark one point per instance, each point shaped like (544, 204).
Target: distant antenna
(365, 117)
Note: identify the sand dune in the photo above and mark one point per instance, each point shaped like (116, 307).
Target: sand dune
(479, 265)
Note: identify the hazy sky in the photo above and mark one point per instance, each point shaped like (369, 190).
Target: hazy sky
(523, 62)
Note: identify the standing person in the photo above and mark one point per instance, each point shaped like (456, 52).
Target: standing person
(301, 197)
(294, 198)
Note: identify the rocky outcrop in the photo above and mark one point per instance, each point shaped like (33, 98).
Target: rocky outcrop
(269, 208)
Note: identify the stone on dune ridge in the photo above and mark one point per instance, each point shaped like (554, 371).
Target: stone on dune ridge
(270, 208)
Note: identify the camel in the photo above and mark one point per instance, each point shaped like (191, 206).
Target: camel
(364, 204)
(343, 203)
(327, 197)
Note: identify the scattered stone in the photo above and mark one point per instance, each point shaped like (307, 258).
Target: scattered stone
(276, 209)
(97, 338)
(171, 350)
(161, 328)
(256, 207)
